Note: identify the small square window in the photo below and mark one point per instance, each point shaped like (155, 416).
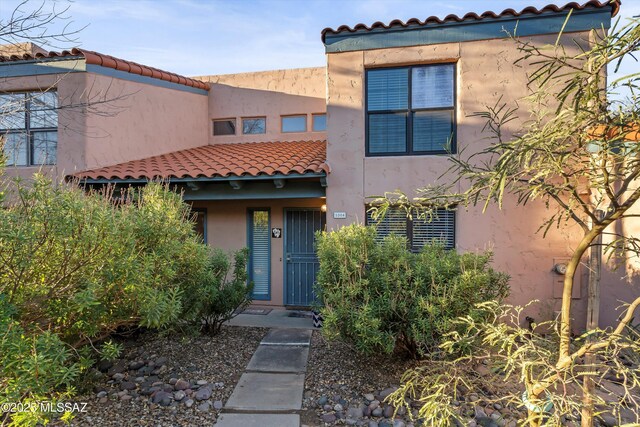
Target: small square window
(319, 122)
(254, 125)
(224, 127)
(294, 123)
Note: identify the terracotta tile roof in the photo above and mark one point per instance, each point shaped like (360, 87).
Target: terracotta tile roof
(108, 61)
(415, 22)
(629, 132)
(223, 160)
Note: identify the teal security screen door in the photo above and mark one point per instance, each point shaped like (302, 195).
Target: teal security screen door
(259, 242)
(301, 262)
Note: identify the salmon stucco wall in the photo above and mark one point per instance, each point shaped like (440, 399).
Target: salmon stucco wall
(485, 72)
(104, 120)
(140, 120)
(269, 94)
(227, 229)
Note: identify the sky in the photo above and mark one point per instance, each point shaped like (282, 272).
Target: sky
(200, 37)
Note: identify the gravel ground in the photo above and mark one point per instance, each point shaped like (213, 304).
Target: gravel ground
(169, 381)
(339, 373)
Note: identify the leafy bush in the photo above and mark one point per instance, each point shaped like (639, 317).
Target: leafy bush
(222, 297)
(508, 360)
(77, 266)
(33, 366)
(81, 267)
(383, 297)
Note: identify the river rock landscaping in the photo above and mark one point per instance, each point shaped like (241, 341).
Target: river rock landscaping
(343, 387)
(164, 381)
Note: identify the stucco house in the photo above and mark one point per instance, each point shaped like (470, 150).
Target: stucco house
(268, 158)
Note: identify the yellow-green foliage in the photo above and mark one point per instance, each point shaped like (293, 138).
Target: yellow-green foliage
(383, 297)
(74, 267)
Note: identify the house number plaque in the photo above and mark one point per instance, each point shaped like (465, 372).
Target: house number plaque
(276, 233)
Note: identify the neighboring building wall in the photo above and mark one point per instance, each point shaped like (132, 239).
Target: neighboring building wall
(269, 94)
(485, 72)
(104, 120)
(71, 125)
(140, 120)
(620, 281)
(227, 229)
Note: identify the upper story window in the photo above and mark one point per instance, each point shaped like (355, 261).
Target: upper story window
(418, 232)
(410, 110)
(29, 125)
(224, 127)
(319, 122)
(294, 123)
(254, 125)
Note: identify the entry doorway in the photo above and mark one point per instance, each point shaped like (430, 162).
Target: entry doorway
(301, 262)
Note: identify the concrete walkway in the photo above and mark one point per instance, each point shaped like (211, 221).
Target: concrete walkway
(269, 393)
(277, 318)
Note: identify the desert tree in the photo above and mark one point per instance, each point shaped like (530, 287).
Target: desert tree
(574, 149)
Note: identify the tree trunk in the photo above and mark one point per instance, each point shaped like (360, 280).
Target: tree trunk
(593, 322)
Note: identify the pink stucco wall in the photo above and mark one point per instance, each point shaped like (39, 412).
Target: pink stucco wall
(269, 94)
(485, 72)
(104, 120)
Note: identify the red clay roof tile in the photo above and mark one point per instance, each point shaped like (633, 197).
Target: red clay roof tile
(594, 4)
(108, 61)
(223, 160)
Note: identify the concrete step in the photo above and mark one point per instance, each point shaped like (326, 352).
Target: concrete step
(258, 420)
(258, 391)
(278, 358)
(293, 337)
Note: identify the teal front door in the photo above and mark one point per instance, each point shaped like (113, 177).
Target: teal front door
(301, 262)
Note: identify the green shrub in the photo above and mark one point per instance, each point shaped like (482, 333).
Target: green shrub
(81, 267)
(383, 297)
(75, 267)
(34, 367)
(222, 296)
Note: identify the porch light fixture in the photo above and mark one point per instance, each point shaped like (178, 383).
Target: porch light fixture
(323, 208)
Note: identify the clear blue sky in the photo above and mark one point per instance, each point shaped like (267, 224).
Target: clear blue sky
(198, 37)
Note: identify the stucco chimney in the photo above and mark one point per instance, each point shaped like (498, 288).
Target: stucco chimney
(21, 49)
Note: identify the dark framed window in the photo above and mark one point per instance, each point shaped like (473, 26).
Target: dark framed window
(254, 125)
(259, 243)
(411, 110)
(441, 228)
(294, 123)
(319, 122)
(29, 125)
(200, 222)
(224, 127)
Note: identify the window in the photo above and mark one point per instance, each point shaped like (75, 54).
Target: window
(418, 232)
(200, 222)
(294, 123)
(319, 122)
(29, 124)
(254, 125)
(224, 127)
(259, 242)
(410, 110)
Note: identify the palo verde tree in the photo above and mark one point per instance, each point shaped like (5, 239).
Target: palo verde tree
(579, 134)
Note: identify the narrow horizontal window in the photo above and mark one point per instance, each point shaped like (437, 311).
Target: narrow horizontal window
(294, 123)
(224, 127)
(436, 229)
(254, 125)
(319, 122)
